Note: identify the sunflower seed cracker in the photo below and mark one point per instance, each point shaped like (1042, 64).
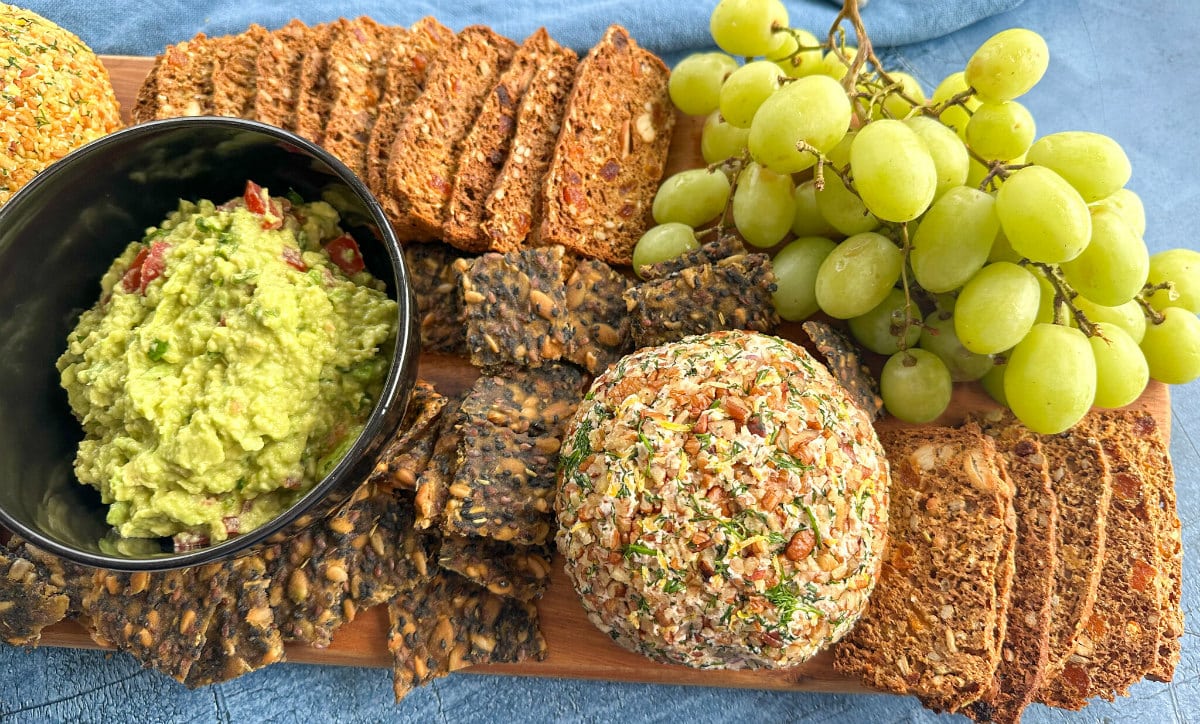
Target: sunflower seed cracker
(515, 307)
(596, 312)
(841, 357)
(733, 293)
(535, 401)
(435, 286)
(506, 570)
(709, 253)
(391, 553)
(28, 602)
(72, 579)
(434, 483)
(407, 454)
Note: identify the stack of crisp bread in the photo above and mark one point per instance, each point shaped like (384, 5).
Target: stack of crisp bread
(1024, 568)
(468, 137)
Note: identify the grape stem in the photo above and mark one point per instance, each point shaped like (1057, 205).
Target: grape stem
(1064, 298)
(735, 164)
(866, 54)
(958, 99)
(906, 247)
(996, 169)
(1143, 300)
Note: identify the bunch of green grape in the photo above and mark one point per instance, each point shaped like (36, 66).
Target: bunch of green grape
(950, 237)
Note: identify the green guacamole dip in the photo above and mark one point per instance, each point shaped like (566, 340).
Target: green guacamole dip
(233, 358)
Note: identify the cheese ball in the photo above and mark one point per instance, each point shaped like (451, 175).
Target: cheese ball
(54, 96)
(723, 503)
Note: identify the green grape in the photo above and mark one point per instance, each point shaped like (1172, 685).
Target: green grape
(1001, 131)
(976, 173)
(879, 329)
(938, 336)
(842, 208)
(1128, 205)
(691, 197)
(747, 27)
(893, 171)
(762, 206)
(720, 141)
(746, 89)
(1093, 163)
(795, 268)
(954, 239)
(955, 117)
(857, 276)
(945, 302)
(1050, 381)
(950, 156)
(839, 155)
(1172, 348)
(695, 84)
(802, 63)
(1181, 267)
(993, 383)
(996, 308)
(836, 63)
(1114, 265)
(663, 243)
(1128, 316)
(1121, 369)
(895, 106)
(813, 110)
(915, 386)
(1045, 312)
(1007, 65)
(1002, 250)
(808, 220)
(1043, 216)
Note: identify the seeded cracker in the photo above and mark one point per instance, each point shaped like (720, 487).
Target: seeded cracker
(596, 312)
(407, 453)
(539, 401)
(709, 253)
(734, 293)
(392, 554)
(520, 572)
(449, 623)
(160, 618)
(515, 307)
(433, 485)
(504, 485)
(28, 603)
(242, 636)
(72, 579)
(435, 283)
(842, 359)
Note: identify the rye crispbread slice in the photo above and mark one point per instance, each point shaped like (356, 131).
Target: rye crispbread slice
(934, 625)
(355, 71)
(407, 62)
(1026, 650)
(235, 63)
(610, 153)
(487, 145)
(1118, 645)
(313, 91)
(424, 156)
(184, 81)
(277, 74)
(513, 207)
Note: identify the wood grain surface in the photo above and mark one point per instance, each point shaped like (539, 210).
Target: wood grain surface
(576, 648)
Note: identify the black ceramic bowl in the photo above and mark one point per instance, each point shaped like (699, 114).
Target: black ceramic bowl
(60, 233)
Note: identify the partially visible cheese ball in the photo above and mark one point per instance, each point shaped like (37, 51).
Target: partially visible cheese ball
(722, 503)
(54, 96)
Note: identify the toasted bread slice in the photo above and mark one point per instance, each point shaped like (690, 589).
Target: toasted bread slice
(487, 145)
(408, 62)
(1119, 641)
(277, 74)
(935, 623)
(184, 83)
(356, 72)
(610, 153)
(513, 207)
(234, 73)
(1026, 650)
(313, 90)
(424, 155)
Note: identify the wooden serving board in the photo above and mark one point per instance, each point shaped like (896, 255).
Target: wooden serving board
(576, 648)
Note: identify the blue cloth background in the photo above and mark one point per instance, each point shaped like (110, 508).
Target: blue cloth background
(1122, 67)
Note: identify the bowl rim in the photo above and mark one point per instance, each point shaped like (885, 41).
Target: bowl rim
(396, 388)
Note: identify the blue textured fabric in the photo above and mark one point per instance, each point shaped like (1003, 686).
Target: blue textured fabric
(143, 27)
(1113, 70)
